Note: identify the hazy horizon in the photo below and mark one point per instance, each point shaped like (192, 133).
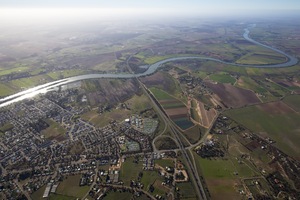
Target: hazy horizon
(40, 11)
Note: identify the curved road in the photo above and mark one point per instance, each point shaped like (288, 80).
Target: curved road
(152, 69)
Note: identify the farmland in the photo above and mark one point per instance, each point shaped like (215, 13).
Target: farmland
(222, 78)
(275, 120)
(173, 107)
(70, 187)
(233, 96)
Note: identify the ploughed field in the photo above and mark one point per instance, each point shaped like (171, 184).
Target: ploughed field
(174, 108)
(232, 96)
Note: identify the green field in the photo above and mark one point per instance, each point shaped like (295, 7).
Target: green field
(219, 177)
(118, 195)
(138, 103)
(248, 83)
(195, 115)
(70, 187)
(283, 128)
(222, 78)
(13, 70)
(130, 170)
(165, 143)
(165, 163)
(186, 190)
(257, 58)
(193, 134)
(160, 94)
(153, 178)
(6, 90)
(54, 129)
(101, 120)
(293, 101)
(60, 197)
(64, 74)
(29, 82)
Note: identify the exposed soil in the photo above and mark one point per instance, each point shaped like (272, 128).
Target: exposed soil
(276, 108)
(232, 96)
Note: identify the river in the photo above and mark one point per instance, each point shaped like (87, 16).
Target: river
(152, 68)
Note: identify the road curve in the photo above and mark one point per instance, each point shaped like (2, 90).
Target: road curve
(291, 61)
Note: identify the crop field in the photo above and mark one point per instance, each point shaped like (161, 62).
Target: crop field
(248, 83)
(293, 84)
(293, 101)
(70, 187)
(13, 70)
(64, 74)
(165, 82)
(176, 109)
(222, 78)
(6, 90)
(275, 120)
(29, 82)
(261, 59)
(233, 96)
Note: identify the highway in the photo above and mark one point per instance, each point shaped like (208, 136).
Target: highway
(191, 168)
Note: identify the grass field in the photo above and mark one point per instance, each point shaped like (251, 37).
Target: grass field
(64, 74)
(186, 190)
(160, 94)
(293, 101)
(13, 70)
(70, 187)
(54, 130)
(138, 103)
(118, 195)
(130, 170)
(29, 82)
(222, 78)
(219, 176)
(283, 127)
(6, 90)
(101, 120)
(152, 178)
(257, 58)
(248, 83)
(60, 197)
(38, 195)
(165, 163)
(194, 134)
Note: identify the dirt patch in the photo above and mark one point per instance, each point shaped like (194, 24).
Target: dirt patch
(276, 108)
(252, 145)
(206, 116)
(177, 111)
(232, 96)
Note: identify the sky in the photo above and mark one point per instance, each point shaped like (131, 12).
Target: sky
(166, 4)
(30, 9)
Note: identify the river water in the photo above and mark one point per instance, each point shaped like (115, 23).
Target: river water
(152, 68)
